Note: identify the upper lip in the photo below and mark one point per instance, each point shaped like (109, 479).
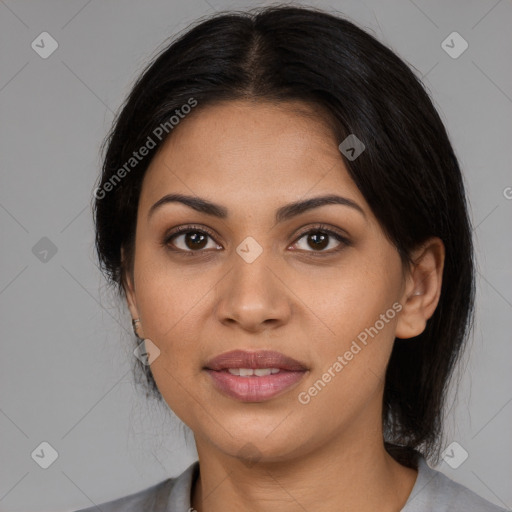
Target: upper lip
(254, 360)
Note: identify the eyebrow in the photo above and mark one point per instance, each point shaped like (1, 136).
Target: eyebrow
(282, 214)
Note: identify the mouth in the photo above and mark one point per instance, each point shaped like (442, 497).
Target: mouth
(254, 376)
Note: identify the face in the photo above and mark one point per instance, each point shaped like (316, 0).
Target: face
(322, 286)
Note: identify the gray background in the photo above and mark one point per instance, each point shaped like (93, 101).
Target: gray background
(66, 344)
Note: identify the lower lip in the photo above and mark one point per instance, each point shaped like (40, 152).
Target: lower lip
(252, 388)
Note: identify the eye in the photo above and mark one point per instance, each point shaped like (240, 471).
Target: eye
(320, 237)
(192, 239)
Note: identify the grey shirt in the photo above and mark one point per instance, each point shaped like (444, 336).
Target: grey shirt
(432, 492)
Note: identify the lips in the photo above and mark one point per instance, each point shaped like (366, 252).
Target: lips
(254, 360)
(254, 376)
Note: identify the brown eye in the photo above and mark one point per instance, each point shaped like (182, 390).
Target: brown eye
(319, 238)
(195, 240)
(189, 239)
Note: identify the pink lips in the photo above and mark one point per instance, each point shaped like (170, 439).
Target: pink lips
(254, 388)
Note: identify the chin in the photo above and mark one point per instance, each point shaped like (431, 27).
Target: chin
(260, 442)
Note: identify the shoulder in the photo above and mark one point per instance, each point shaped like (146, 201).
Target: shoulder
(435, 491)
(171, 495)
(153, 498)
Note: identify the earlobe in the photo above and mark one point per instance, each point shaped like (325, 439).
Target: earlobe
(422, 289)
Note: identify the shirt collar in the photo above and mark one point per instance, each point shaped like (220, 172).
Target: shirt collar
(180, 495)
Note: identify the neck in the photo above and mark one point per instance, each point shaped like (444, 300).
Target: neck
(343, 477)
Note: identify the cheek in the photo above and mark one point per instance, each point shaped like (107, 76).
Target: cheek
(352, 357)
(350, 362)
(170, 302)
(345, 301)
(169, 294)
(359, 305)
(170, 305)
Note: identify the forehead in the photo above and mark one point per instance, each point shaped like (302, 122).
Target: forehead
(250, 151)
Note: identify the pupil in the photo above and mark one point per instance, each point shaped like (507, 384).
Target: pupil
(197, 239)
(323, 238)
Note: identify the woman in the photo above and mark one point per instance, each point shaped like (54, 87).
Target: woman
(283, 212)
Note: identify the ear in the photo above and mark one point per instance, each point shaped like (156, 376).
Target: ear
(422, 288)
(129, 287)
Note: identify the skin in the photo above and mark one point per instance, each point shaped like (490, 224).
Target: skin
(252, 158)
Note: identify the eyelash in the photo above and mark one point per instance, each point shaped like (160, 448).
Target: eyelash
(196, 229)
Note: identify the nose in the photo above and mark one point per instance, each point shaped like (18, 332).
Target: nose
(254, 296)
